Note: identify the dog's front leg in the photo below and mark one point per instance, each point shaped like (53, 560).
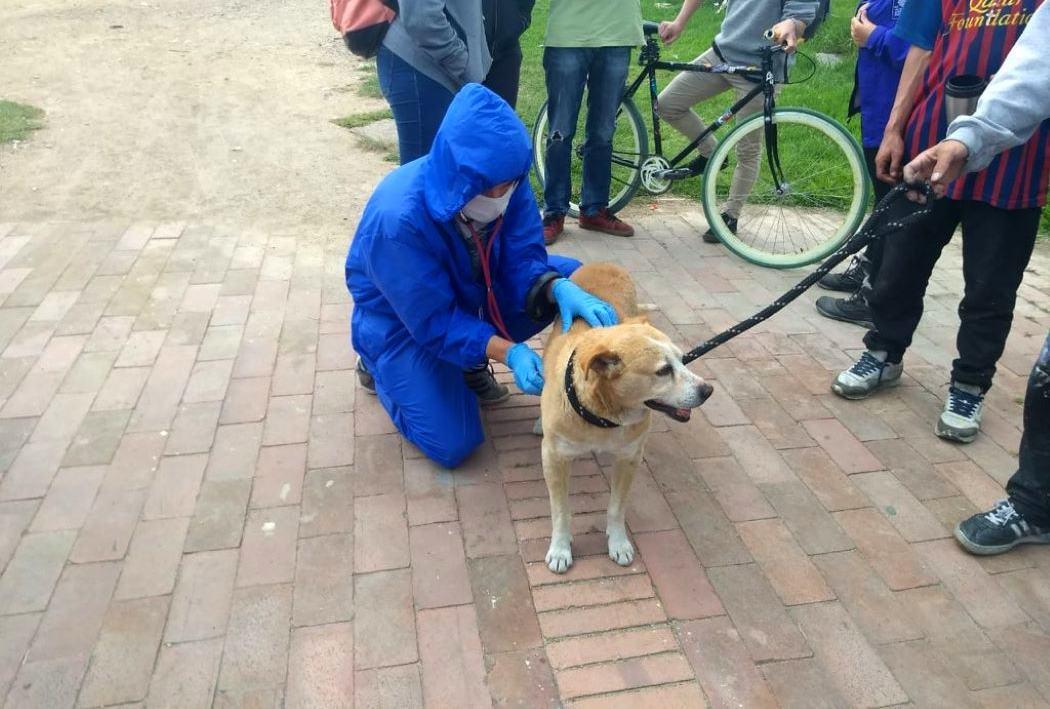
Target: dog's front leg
(620, 548)
(556, 471)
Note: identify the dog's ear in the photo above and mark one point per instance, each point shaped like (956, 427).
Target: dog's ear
(605, 363)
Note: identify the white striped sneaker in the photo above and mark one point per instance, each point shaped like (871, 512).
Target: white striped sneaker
(998, 530)
(867, 375)
(961, 418)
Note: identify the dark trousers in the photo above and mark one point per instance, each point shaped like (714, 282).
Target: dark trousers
(997, 244)
(1029, 488)
(418, 103)
(871, 256)
(505, 75)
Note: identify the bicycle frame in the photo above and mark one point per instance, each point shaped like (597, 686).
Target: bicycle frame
(764, 77)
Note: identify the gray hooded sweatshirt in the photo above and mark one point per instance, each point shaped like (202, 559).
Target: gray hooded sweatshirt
(442, 39)
(746, 20)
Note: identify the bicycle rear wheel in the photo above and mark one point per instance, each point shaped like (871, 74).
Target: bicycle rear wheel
(819, 204)
(630, 147)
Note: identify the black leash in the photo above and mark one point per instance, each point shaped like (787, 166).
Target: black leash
(876, 227)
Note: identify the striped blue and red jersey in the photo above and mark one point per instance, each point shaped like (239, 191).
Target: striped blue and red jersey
(974, 38)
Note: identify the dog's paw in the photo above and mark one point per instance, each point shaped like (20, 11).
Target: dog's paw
(559, 558)
(621, 551)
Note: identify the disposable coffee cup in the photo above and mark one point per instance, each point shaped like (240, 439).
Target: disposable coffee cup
(961, 94)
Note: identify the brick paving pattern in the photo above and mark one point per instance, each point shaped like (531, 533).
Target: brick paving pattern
(198, 506)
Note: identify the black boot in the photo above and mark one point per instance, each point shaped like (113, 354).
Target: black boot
(364, 378)
(710, 237)
(849, 281)
(483, 383)
(854, 309)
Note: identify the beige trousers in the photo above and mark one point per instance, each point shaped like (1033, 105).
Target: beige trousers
(692, 87)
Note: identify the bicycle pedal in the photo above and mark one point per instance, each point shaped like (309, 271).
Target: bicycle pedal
(679, 173)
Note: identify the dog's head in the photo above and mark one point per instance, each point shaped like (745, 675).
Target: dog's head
(634, 365)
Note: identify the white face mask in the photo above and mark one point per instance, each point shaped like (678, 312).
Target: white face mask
(482, 209)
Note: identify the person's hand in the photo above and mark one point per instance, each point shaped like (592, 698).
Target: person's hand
(574, 302)
(527, 368)
(860, 27)
(669, 31)
(888, 159)
(787, 32)
(939, 165)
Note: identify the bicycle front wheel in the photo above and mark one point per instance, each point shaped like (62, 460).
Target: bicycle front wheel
(630, 147)
(800, 219)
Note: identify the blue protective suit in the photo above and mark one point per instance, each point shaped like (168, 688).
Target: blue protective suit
(419, 317)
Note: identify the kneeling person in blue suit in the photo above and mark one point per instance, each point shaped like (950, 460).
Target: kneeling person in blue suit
(448, 270)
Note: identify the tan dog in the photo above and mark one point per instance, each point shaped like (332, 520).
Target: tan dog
(603, 402)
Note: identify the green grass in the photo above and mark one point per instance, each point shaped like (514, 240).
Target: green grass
(828, 91)
(370, 86)
(17, 121)
(377, 146)
(356, 120)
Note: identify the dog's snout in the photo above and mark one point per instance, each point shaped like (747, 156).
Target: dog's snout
(705, 391)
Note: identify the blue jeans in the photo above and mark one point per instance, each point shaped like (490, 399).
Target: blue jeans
(417, 102)
(603, 71)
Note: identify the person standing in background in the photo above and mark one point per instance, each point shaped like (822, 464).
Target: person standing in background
(998, 208)
(505, 22)
(737, 42)
(432, 49)
(880, 59)
(588, 46)
(1015, 105)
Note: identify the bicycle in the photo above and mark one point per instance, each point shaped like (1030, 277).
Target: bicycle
(787, 222)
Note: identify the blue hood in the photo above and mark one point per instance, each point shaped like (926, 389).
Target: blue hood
(481, 143)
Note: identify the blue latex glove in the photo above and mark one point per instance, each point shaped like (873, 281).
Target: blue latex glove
(575, 302)
(527, 368)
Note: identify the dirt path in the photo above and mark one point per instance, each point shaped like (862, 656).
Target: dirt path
(202, 110)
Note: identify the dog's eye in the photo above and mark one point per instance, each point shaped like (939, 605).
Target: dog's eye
(664, 371)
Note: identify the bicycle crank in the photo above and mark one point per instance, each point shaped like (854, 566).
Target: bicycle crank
(653, 173)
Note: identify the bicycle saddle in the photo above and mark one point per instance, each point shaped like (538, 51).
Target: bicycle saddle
(650, 27)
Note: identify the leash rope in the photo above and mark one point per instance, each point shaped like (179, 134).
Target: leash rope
(869, 232)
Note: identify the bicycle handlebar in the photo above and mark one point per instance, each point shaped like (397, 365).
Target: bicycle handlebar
(768, 34)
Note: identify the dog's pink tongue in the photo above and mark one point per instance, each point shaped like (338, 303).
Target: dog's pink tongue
(684, 413)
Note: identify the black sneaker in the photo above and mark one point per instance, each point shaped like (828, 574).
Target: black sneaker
(710, 237)
(852, 310)
(849, 281)
(364, 378)
(998, 530)
(484, 385)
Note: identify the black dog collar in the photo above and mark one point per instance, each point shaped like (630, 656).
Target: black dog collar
(577, 405)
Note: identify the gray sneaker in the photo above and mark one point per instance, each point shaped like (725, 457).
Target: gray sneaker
(961, 419)
(867, 375)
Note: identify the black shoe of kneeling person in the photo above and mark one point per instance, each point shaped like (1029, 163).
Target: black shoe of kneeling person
(998, 530)
(365, 378)
(852, 310)
(710, 237)
(482, 382)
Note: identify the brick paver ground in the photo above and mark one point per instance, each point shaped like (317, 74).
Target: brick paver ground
(198, 506)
